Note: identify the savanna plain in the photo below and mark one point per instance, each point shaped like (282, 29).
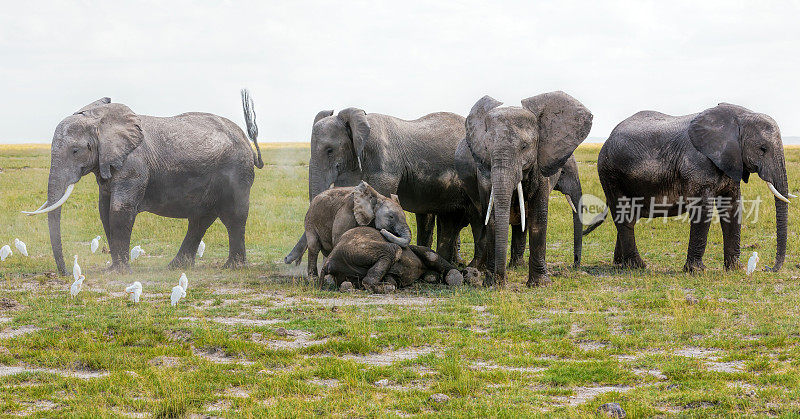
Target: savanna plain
(259, 341)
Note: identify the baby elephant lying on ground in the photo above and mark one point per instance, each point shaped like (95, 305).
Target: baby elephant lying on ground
(365, 258)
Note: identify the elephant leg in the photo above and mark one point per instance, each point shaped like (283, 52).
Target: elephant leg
(431, 259)
(537, 225)
(121, 221)
(448, 227)
(104, 207)
(698, 236)
(731, 223)
(626, 253)
(425, 224)
(479, 254)
(195, 232)
(517, 246)
(313, 254)
(234, 217)
(387, 254)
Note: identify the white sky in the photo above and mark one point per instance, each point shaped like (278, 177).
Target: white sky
(400, 58)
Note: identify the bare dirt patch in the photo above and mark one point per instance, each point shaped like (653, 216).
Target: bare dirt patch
(330, 383)
(591, 345)
(19, 331)
(219, 356)
(729, 367)
(389, 358)
(297, 339)
(85, 375)
(692, 352)
(484, 366)
(165, 361)
(585, 394)
(38, 406)
(236, 321)
(9, 304)
(366, 300)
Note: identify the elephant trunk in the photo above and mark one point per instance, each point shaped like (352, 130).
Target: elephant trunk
(55, 191)
(781, 223)
(577, 230)
(503, 183)
(403, 240)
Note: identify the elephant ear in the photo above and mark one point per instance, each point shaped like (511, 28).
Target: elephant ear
(322, 114)
(365, 198)
(563, 124)
(475, 125)
(118, 133)
(356, 121)
(715, 133)
(96, 103)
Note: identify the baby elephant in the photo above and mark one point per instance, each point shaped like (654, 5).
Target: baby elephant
(337, 210)
(364, 257)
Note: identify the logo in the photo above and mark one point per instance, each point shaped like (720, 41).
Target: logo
(592, 209)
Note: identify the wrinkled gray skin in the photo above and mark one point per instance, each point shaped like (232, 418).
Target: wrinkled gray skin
(338, 210)
(197, 166)
(412, 159)
(652, 155)
(568, 182)
(508, 145)
(364, 257)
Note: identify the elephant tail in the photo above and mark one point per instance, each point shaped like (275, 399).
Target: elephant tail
(252, 128)
(296, 255)
(596, 222)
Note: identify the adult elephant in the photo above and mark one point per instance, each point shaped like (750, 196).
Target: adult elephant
(197, 166)
(567, 181)
(655, 164)
(412, 159)
(516, 149)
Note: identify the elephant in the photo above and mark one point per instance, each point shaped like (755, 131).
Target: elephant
(337, 210)
(568, 182)
(673, 165)
(412, 159)
(364, 257)
(508, 147)
(194, 165)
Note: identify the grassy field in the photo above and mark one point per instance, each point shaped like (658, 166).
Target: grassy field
(258, 341)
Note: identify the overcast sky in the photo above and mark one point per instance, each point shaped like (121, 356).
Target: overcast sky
(399, 58)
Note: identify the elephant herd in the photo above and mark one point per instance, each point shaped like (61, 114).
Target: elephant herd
(492, 171)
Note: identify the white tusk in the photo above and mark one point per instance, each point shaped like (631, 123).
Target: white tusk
(43, 205)
(791, 195)
(571, 205)
(776, 193)
(58, 203)
(489, 211)
(521, 205)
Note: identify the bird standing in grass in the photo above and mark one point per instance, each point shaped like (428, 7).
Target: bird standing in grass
(136, 252)
(5, 252)
(76, 286)
(752, 263)
(95, 244)
(20, 245)
(184, 282)
(134, 291)
(201, 248)
(76, 269)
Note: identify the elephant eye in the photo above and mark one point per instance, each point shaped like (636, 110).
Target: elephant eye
(329, 151)
(75, 150)
(763, 149)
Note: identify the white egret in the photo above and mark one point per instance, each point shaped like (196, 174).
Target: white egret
(95, 244)
(136, 252)
(134, 291)
(183, 282)
(752, 263)
(177, 293)
(5, 252)
(76, 269)
(76, 286)
(201, 248)
(20, 245)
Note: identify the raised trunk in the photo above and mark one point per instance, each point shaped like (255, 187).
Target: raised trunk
(781, 223)
(54, 192)
(503, 184)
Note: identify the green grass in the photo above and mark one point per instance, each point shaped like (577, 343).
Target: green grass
(596, 335)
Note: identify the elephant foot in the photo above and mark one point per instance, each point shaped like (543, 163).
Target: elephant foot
(454, 278)
(181, 262)
(472, 276)
(431, 277)
(695, 266)
(733, 265)
(515, 262)
(494, 280)
(328, 282)
(346, 286)
(539, 281)
(235, 263)
(633, 262)
(120, 268)
(381, 288)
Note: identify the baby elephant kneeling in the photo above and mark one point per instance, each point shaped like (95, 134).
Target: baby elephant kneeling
(365, 258)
